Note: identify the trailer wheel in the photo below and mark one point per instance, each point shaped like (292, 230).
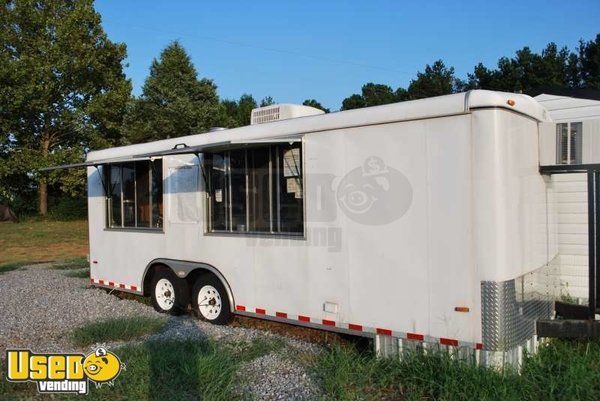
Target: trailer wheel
(209, 300)
(169, 293)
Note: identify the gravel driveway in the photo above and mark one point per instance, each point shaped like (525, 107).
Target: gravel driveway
(39, 307)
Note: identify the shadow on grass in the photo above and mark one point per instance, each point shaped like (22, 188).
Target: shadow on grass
(172, 370)
(117, 329)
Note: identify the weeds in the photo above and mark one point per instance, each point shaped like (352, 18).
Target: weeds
(79, 273)
(560, 371)
(6, 267)
(71, 264)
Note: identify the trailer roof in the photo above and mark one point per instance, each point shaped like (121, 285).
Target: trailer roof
(440, 106)
(565, 108)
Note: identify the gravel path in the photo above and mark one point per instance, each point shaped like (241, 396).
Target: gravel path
(39, 307)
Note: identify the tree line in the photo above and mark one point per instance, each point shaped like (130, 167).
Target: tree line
(63, 92)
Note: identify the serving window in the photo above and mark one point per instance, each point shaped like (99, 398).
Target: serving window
(134, 196)
(256, 190)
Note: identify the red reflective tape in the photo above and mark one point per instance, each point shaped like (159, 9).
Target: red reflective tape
(356, 327)
(479, 346)
(328, 322)
(303, 318)
(92, 280)
(240, 307)
(133, 288)
(260, 311)
(281, 314)
(414, 336)
(121, 285)
(384, 332)
(100, 281)
(449, 341)
(111, 283)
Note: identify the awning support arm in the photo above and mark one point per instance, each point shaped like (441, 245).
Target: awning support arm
(107, 193)
(202, 170)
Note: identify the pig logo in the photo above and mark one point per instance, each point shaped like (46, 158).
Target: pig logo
(374, 194)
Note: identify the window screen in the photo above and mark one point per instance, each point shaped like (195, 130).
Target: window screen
(134, 198)
(256, 190)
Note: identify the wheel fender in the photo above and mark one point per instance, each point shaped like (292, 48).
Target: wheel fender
(182, 268)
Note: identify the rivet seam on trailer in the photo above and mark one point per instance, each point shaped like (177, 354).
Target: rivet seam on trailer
(358, 327)
(113, 284)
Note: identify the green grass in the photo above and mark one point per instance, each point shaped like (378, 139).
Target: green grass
(560, 371)
(117, 329)
(79, 273)
(6, 267)
(173, 370)
(157, 370)
(72, 264)
(32, 241)
(206, 370)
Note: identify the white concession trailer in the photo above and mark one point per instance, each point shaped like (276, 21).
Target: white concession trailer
(424, 223)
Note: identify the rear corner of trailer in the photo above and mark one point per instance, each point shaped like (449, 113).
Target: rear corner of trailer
(511, 235)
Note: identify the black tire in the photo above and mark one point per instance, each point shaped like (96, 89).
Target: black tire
(181, 292)
(219, 296)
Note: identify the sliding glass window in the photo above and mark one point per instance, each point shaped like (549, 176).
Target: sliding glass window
(134, 198)
(256, 190)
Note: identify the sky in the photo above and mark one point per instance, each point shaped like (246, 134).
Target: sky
(326, 50)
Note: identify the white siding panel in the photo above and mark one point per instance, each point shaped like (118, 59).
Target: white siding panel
(571, 205)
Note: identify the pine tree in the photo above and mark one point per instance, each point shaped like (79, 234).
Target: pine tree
(174, 102)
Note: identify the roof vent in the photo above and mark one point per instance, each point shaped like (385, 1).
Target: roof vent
(277, 112)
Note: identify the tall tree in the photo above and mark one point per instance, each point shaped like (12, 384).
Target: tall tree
(62, 88)
(589, 63)
(372, 95)
(266, 101)
(316, 105)
(354, 101)
(174, 102)
(237, 113)
(436, 80)
(377, 94)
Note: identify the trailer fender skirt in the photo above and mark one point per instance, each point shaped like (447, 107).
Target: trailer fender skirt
(182, 268)
(348, 328)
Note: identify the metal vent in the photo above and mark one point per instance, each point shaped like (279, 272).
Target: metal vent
(265, 115)
(281, 111)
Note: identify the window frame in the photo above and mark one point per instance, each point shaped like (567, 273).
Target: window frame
(572, 154)
(274, 194)
(108, 196)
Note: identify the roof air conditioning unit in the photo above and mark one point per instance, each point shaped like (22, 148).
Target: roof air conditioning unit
(277, 112)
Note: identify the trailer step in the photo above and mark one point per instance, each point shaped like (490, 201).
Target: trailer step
(568, 328)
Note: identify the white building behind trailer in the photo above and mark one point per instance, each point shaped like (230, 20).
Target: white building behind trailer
(424, 222)
(573, 140)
